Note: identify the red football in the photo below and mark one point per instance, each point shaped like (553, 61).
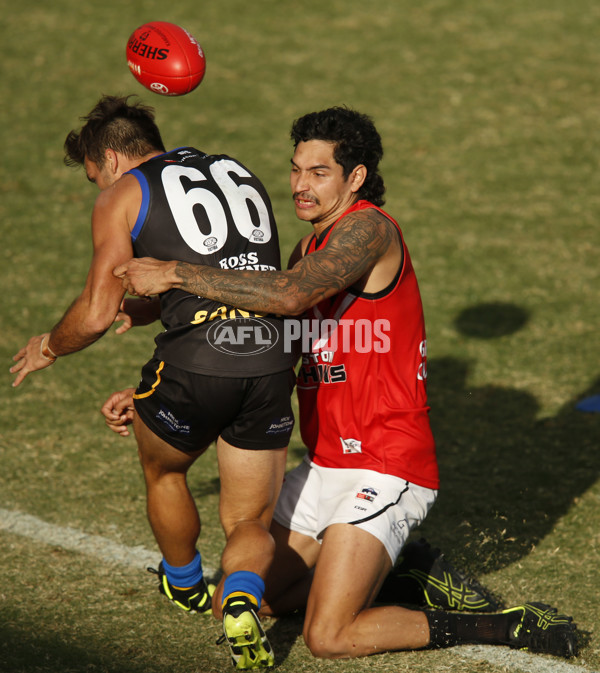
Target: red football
(165, 58)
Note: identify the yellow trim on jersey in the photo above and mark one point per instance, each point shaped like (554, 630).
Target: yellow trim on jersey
(154, 385)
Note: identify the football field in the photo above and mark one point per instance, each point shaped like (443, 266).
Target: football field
(490, 118)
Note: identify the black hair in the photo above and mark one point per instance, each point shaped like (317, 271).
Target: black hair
(356, 142)
(116, 124)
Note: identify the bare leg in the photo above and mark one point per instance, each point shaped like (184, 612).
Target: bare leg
(170, 506)
(339, 621)
(290, 576)
(250, 485)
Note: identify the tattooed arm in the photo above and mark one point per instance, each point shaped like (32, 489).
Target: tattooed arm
(358, 245)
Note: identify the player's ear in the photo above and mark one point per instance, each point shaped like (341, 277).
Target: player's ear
(111, 159)
(357, 177)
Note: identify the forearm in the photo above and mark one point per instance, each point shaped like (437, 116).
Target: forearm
(280, 292)
(314, 277)
(78, 328)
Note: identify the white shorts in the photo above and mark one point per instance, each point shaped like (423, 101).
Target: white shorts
(313, 498)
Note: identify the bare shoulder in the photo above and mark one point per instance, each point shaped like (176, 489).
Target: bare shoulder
(375, 238)
(303, 243)
(121, 200)
(368, 230)
(299, 251)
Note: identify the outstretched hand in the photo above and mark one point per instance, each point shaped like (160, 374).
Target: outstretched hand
(118, 411)
(30, 359)
(145, 276)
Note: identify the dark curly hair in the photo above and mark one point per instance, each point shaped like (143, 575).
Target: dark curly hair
(356, 142)
(115, 124)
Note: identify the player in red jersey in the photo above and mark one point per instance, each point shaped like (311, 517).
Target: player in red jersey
(370, 475)
(366, 375)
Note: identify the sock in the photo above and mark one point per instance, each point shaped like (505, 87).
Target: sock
(400, 589)
(447, 629)
(184, 577)
(244, 582)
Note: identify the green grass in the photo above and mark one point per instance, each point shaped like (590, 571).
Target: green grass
(490, 117)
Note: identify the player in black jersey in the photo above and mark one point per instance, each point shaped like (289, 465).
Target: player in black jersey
(217, 374)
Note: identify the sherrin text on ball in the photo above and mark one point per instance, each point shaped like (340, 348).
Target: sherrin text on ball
(165, 58)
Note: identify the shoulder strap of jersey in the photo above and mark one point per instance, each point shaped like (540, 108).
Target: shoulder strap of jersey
(316, 242)
(363, 204)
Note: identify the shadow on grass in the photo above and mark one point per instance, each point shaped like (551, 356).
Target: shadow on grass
(491, 320)
(284, 633)
(507, 477)
(25, 650)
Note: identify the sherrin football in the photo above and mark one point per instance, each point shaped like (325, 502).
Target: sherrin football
(165, 58)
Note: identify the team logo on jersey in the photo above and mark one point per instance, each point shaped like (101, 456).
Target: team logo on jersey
(351, 445)
(242, 336)
(184, 155)
(367, 493)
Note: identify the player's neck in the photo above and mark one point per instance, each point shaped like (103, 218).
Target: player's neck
(320, 225)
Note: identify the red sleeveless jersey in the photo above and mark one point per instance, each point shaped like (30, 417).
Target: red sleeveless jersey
(362, 383)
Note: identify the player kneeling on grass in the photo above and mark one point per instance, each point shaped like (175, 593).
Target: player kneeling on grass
(458, 609)
(370, 475)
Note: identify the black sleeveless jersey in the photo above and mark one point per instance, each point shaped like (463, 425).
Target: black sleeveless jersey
(210, 210)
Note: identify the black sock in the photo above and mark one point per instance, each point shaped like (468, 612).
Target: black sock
(448, 628)
(401, 589)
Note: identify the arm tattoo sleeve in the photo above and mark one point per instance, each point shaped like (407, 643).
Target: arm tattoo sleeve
(353, 248)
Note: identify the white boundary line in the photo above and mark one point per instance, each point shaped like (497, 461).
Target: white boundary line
(512, 660)
(105, 549)
(76, 540)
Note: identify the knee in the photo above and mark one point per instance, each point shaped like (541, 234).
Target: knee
(326, 641)
(248, 528)
(151, 466)
(158, 475)
(154, 473)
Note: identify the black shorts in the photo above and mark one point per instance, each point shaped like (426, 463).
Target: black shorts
(189, 411)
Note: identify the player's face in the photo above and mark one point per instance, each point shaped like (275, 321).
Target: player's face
(101, 177)
(320, 192)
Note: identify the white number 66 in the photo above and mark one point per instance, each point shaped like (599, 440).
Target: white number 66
(237, 196)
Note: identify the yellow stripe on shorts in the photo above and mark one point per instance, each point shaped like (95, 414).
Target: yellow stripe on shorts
(149, 392)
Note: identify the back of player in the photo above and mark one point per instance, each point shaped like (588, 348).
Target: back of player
(210, 210)
(218, 373)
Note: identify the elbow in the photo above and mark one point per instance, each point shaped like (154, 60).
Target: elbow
(292, 306)
(96, 326)
(295, 303)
